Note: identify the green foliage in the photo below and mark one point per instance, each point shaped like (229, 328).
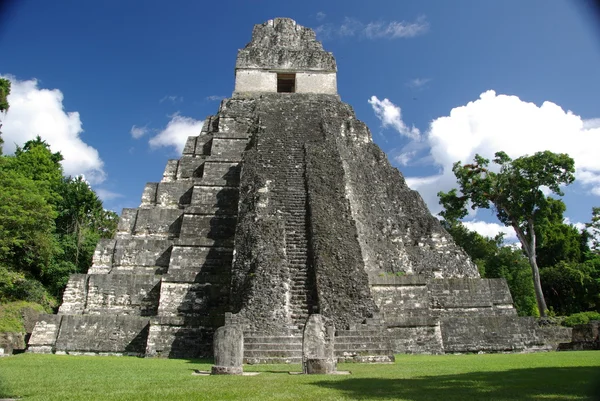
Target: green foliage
(557, 241)
(49, 224)
(497, 261)
(572, 287)
(4, 92)
(26, 221)
(11, 315)
(594, 229)
(4, 106)
(16, 286)
(515, 194)
(580, 318)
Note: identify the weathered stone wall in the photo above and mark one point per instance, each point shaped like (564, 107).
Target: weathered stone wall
(283, 44)
(102, 334)
(396, 231)
(342, 283)
(489, 334)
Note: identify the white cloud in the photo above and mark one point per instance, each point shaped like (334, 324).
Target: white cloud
(215, 98)
(106, 195)
(321, 16)
(502, 122)
(37, 111)
(578, 225)
(374, 30)
(395, 29)
(176, 132)
(418, 82)
(391, 115)
(138, 132)
(171, 98)
(491, 229)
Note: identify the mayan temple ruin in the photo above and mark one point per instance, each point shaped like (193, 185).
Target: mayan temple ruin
(282, 207)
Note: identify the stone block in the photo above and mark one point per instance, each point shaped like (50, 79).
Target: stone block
(209, 230)
(75, 295)
(228, 149)
(189, 261)
(45, 332)
(190, 145)
(149, 194)
(190, 167)
(142, 255)
(489, 334)
(223, 199)
(12, 342)
(122, 294)
(103, 256)
(457, 293)
(318, 346)
(173, 194)
(126, 223)
(182, 340)
(228, 346)
(221, 174)
(157, 223)
(170, 173)
(125, 335)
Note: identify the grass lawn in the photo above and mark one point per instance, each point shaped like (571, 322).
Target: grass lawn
(544, 376)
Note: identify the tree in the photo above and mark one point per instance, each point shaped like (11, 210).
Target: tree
(557, 241)
(515, 194)
(4, 106)
(593, 228)
(496, 260)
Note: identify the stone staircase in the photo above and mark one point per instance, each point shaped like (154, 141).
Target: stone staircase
(262, 347)
(364, 343)
(301, 298)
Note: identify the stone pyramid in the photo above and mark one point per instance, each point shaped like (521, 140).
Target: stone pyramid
(282, 206)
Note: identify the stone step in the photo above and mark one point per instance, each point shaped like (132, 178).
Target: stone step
(272, 360)
(361, 352)
(365, 346)
(362, 340)
(360, 333)
(250, 339)
(273, 353)
(273, 346)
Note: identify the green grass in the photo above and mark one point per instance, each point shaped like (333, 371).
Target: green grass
(541, 376)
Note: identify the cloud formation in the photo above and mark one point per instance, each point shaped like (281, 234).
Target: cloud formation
(500, 122)
(37, 111)
(373, 30)
(171, 98)
(391, 115)
(176, 132)
(418, 82)
(138, 132)
(214, 98)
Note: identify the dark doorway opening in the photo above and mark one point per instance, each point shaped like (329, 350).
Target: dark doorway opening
(286, 83)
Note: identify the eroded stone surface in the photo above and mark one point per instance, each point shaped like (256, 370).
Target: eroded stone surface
(318, 346)
(228, 350)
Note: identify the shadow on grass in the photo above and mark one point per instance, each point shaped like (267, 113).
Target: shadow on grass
(521, 384)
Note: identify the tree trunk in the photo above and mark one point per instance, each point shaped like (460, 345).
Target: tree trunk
(537, 284)
(529, 248)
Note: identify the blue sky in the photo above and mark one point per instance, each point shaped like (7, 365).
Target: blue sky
(459, 77)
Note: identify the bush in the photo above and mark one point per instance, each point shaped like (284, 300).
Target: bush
(580, 318)
(11, 315)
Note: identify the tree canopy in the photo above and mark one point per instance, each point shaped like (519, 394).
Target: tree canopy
(514, 190)
(49, 225)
